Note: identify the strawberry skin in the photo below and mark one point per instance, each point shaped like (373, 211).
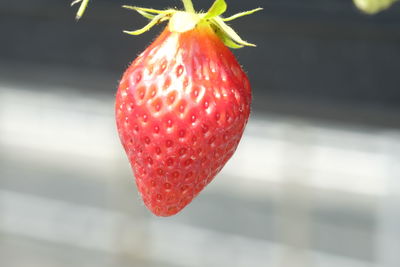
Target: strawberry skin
(182, 105)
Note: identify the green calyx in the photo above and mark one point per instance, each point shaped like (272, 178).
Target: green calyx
(181, 21)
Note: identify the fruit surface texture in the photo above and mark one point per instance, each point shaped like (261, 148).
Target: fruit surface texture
(181, 109)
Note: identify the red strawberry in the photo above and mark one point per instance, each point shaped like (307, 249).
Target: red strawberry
(182, 106)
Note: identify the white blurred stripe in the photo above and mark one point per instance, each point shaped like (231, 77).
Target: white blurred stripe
(158, 239)
(354, 169)
(63, 123)
(83, 127)
(198, 247)
(59, 222)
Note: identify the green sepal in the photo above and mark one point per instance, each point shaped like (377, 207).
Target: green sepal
(157, 19)
(242, 14)
(228, 35)
(145, 14)
(218, 8)
(156, 16)
(226, 40)
(148, 10)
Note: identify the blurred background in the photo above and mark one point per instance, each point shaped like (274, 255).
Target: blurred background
(315, 181)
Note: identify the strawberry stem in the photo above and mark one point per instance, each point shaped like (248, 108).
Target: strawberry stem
(188, 6)
(82, 8)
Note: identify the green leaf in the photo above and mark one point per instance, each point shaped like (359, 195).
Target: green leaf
(147, 10)
(145, 14)
(230, 43)
(242, 14)
(218, 8)
(229, 33)
(157, 19)
(224, 38)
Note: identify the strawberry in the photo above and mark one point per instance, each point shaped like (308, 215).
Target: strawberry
(182, 105)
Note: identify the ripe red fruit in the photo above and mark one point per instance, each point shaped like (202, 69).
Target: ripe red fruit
(181, 109)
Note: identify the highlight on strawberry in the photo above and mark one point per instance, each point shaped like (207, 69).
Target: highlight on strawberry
(183, 104)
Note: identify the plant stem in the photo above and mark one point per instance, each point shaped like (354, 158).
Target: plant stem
(82, 9)
(188, 6)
